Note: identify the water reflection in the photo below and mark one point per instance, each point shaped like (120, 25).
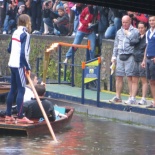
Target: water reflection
(87, 136)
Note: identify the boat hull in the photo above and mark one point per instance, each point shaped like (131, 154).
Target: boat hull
(38, 128)
(4, 87)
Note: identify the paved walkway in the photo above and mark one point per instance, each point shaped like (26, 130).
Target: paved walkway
(64, 95)
(66, 92)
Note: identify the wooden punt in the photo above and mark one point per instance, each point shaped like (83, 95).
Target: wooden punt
(36, 129)
(4, 87)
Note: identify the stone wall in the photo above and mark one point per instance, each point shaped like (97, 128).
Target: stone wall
(40, 43)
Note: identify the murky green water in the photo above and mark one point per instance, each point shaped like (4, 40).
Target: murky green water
(87, 136)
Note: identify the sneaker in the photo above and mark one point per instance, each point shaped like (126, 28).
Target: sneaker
(4, 32)
(130, 101)
(150, 106)
(142, 102)
(9, 118)
(115, 99)
(66, 61)
(73, 34)
(34, 32)
(24, 120)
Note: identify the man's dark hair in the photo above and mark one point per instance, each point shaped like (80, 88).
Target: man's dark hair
(151, 16)
(32, 76)
(40, 89)
(145, 25)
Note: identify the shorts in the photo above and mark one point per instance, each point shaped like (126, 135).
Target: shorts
(150, 69)
(138, 70)
(125, 68)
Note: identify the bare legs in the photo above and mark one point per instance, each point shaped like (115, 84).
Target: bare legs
(119, 84)
(144, 86)
(133, 86)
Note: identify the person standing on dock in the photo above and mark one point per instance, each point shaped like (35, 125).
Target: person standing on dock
(19, 49)
(139, 73)
(123, 55)
(149, 58)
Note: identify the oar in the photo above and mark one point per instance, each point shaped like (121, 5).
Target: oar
(41, 106)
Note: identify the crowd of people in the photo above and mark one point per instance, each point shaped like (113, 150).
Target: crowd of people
(131, 54)
(134, 57)
(55, 17)
(63, 18)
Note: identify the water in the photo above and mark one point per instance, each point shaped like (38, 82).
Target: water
(87, 136)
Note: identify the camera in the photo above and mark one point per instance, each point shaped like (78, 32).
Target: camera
(46, 4)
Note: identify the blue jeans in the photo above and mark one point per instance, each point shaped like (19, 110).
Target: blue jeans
(113, 28)
(56, 32)
(9, 24)
(36, 15)
(78, 39)
(76, 23)
(6, 23)
(12, 25)
(49, 23)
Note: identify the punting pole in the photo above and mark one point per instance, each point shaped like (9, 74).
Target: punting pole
(41, 107)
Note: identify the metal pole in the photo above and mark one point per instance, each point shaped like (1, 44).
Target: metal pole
(98, 81)
(72, 67)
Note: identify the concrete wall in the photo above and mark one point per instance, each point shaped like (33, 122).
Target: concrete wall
(128, 117)
(40, 43)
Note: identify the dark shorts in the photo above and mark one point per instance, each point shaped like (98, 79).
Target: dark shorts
(138, 70)
(150, 69)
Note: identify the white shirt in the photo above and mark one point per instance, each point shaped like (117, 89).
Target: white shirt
(151, 34)
(28, 94)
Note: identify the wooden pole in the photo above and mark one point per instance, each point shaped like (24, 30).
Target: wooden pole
(45, 65)
(41, 107)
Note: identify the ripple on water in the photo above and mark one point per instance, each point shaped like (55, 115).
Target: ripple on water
(87, 136)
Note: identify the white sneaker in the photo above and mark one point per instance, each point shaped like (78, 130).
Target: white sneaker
(115, 99)
(130, 101)
(35, 31)
(66, 61)
(142, 102)
(73, 34)
(4, 32)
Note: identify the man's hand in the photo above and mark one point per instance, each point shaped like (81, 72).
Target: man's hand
(153, 60)
(44, 84)
(126, 32)
(89, 24)
(113, 60)
(143, 64)
(27, 72)
(54, 20)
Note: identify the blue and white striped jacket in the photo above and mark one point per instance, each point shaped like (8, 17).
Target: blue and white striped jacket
(19, 49)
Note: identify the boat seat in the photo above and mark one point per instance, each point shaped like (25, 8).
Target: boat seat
(61, 110)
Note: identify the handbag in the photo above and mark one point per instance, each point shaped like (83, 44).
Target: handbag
(124, 57)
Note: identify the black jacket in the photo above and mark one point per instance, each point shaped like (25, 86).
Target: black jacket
(139, 48)
(32, 109)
